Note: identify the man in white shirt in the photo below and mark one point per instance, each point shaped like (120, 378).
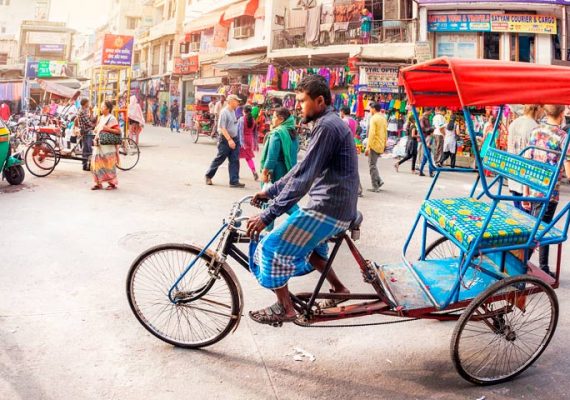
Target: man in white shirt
(438, 133)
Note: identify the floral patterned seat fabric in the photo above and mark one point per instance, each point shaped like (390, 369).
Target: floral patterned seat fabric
(463, 219)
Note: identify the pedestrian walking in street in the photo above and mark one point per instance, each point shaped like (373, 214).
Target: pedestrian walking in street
(136, 119)
(411, 145)
(228, 144)
(351, 122)
(548, 135)
(439, 124)
(377, 136)
(427, 129)
(519, 135)
(248, 139)
(155, 117)
(86, 121)
(163, 114)
(5, 111)
(449, 143)
(174, 115)
(329, 174)
(105, 156)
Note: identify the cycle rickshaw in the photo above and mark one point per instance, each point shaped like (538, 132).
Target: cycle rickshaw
(477, 272)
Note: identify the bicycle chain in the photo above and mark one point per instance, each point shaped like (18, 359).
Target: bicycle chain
(306, 325)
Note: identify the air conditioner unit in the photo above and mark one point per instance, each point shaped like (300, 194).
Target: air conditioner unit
(194, 46)
(242, 32)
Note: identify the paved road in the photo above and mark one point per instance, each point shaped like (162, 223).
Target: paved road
(66, 331)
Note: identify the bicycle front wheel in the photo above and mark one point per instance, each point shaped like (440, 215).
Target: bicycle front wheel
(129, 154)
(207, 304)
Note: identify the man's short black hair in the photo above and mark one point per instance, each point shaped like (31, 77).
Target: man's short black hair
(345, 110)
(84, 101)
(315, 86)
(378, 106)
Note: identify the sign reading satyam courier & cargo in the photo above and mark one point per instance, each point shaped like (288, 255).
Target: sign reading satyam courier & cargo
(117, 50)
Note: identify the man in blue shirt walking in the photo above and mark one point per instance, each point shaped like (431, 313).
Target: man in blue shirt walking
(329, 174)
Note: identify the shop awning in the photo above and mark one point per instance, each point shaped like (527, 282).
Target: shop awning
(61, 89)
(239, 62)
(243, 8)
(204, 22)
(459, 82)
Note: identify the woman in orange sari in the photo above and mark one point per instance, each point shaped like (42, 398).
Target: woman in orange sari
(105, 156)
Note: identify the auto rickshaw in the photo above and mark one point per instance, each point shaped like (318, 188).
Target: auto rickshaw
(10, 165)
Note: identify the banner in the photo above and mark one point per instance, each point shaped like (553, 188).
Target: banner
(541, 24)
(185, 66)
(459, 23)
(117, 50)
(53, 69)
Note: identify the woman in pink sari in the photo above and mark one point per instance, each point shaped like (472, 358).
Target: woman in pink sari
(136, 119)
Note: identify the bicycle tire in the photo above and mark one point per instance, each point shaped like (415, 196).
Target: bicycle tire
(224, 275)
(131, 149)
(49, 152)
(506, 330)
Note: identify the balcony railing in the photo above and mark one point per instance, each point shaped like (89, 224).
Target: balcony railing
(384, 31)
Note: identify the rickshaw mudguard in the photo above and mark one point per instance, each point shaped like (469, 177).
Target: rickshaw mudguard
(214, 256)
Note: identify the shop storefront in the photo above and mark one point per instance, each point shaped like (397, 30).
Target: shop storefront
(525, 31)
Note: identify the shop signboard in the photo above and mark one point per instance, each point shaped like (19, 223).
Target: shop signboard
(459, 22)
(117, 50)
(423, 52)
(47, 38)
(541, 24)
(185, 66)
(559, 2)
(53, 69)
(51, 48)
(380, 78)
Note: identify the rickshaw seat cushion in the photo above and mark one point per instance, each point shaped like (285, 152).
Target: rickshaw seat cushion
(531, 173)
(463, 218)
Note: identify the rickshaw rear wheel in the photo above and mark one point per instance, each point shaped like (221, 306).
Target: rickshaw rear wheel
(504, 330)
(15, 175)
(41, 159)
(442, 248)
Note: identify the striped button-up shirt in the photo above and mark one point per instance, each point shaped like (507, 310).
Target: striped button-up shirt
(329, 173)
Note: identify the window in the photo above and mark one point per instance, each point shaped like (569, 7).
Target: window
(132, 22)
(244, 27)
(2, 29)
(492, 46)
(3, 58)
(523, 47)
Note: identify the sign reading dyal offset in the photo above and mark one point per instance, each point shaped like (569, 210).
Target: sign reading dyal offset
(118, 50)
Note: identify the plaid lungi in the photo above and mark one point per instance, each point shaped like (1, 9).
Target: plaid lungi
(285, 252)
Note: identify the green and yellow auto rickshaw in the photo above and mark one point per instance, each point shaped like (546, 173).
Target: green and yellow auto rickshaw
(10, 165)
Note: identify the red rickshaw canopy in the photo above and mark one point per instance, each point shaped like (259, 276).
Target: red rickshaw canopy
(459, 82)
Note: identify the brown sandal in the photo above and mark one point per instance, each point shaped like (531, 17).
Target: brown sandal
(111, 187)
(273, 315)
(96, 187)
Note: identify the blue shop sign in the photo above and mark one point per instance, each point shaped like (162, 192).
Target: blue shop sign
(459, 23)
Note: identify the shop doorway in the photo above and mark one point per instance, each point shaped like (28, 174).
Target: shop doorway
(523, 47)
(492, 45)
